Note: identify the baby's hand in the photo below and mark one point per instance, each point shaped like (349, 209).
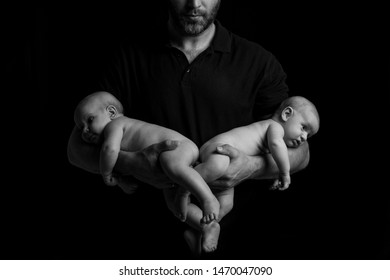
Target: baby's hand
(282, 183)
(109, 180)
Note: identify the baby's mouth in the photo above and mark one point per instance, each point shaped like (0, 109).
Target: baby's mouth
(90, 138)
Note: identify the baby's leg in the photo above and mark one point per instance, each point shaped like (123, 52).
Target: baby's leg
(177, 164)
(209, 232)
(212, 165)
(225, 199)
(177, 200)
(193, 239)
(172, 196)
(202, 237)
(181, 202)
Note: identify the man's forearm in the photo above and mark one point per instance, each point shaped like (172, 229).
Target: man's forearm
(264, 167)
(125, 163)
(81, 154)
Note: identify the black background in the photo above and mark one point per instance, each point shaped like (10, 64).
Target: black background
(337, 208)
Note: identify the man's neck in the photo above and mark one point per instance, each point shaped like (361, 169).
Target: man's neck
(190, 44)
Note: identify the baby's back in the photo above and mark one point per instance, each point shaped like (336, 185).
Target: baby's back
(138, 135)
(250, 139)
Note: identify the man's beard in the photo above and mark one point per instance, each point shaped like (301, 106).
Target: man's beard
(194, 27)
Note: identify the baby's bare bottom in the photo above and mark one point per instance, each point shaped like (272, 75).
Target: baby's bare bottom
(177, 164)
(213, 165)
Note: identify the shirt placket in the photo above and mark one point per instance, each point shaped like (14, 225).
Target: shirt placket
(190, 68)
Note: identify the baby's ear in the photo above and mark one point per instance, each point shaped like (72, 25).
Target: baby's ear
(112, 111)
(287, 113)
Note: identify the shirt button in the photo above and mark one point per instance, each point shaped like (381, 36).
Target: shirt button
(188, 70)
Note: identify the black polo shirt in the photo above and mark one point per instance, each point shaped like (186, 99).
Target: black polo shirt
(232, 83)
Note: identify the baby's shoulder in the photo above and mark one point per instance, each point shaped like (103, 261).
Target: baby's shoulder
(125, 121)
(264, 124)
(267, 126)
(275, 124)
(116, 122)
(121, 122)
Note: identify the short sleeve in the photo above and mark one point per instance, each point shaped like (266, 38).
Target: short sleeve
(272, 89)
(114, 78)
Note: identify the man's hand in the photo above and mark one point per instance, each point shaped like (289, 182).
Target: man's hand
(243, 167)
(144, 165)
(240, 168)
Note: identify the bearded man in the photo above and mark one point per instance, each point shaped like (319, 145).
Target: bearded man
(196, 77)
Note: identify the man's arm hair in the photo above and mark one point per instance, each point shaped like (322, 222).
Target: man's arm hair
(264, 167)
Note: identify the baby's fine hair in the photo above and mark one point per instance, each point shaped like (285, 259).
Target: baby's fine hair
(105, 98)
(298, 103)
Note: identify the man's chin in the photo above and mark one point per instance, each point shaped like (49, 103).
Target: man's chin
(194, 28)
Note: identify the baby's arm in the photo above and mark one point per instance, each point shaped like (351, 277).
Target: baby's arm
(278, 149)
(109, 152)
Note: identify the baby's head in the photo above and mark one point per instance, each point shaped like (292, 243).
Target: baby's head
(299, 118)
(94, 112)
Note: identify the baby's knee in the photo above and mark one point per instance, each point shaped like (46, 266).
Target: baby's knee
(221, 163)
(214, 167)
(170, 164)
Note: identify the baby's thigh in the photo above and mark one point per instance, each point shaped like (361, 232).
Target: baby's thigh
(186, 153)
(212, 160)
(208, 149)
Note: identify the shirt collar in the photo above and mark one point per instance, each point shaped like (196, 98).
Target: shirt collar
(222, 40)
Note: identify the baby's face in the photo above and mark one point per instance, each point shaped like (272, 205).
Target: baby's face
(299, 128)
(91, 118)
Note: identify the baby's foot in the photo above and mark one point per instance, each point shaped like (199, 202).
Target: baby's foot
(210, 211)
(210, 235)
(193, 239)
(181, 205)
